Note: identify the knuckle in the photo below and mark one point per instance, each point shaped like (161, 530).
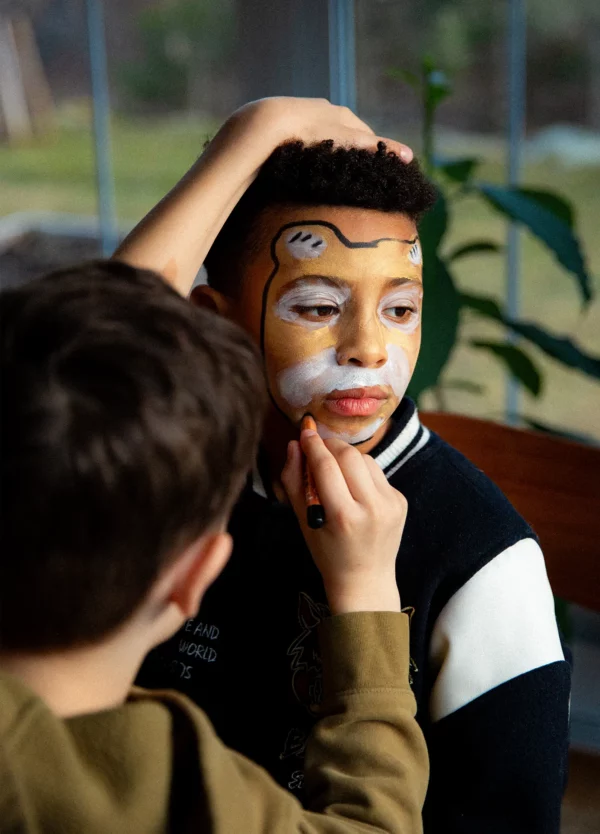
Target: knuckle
(348, 454)
(401, 499)
(402, 506)
(342, 520)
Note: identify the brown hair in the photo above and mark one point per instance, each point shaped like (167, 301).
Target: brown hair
(129, 419)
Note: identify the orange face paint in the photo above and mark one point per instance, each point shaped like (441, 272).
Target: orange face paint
(315, 512)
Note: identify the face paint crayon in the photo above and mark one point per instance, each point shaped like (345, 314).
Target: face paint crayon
(315, 512)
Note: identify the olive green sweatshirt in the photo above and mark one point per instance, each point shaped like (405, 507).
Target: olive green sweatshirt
(154, 764)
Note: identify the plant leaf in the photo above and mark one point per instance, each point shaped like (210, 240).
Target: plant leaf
(484, 305)
(458, 170)
(561, 348)
(558, 347)
(473, 249)
(555, 203)
(518, 363)
(464, 385)
(440, 324)
(545, 225)
(433, 226)
(441, 309)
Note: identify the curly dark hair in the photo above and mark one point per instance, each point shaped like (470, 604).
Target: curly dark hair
(316, 175)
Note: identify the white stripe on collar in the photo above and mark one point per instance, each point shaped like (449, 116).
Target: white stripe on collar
(416, 448)
(397, 446)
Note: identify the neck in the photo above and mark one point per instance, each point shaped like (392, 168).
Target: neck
(84, 680)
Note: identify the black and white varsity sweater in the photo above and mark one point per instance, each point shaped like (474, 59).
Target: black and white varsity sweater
(488, 671)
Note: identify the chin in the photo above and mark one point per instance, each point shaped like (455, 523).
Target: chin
(353, 430)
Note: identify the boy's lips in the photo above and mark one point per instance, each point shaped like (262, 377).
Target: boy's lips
(356, 402)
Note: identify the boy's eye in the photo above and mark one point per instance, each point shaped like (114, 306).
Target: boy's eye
(402, 314)
(318, 312)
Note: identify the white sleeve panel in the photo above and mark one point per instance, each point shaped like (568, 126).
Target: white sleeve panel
(499, 625)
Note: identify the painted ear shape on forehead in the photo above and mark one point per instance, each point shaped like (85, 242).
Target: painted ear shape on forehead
(302, 244)
(414, 254)
(312, 239)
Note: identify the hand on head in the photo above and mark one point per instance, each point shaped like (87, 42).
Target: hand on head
(313, 120)
(356, 549)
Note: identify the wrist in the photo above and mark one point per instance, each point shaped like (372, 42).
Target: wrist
(376, 594)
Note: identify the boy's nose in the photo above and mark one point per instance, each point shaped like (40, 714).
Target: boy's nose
(363, 346)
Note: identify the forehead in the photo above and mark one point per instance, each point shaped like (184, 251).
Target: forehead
(344, 242)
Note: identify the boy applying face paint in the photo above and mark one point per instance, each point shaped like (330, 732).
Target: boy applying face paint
(314, 249)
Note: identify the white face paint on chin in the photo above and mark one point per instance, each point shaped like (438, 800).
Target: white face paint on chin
(361, 436)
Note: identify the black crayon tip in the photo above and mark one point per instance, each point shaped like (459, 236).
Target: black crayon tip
(315, 516)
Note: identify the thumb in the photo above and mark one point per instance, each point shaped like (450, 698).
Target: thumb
(291, 478)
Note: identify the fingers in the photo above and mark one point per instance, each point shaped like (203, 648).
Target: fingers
(365, 136)
(353, 466)
(376, 472)
(329, 480)
(403, 151)
(383, 486)
(369, 141)
(347, 129)
(344, 478)
(352, 121)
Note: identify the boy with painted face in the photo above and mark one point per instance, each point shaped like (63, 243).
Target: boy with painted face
(318, 286)
(319, 260)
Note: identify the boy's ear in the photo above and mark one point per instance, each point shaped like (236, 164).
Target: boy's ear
(203, 562)
(211, 299)
(178, 593)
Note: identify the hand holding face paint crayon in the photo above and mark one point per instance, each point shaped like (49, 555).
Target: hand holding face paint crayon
(315, 512)
(355, 549)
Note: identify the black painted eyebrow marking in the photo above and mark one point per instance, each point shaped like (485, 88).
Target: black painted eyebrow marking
(306, 237)
(296, 236)
(316, 243)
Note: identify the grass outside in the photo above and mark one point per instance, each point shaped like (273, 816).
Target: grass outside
(149, 157)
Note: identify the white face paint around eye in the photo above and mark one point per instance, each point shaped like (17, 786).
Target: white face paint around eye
(414, 254)
(408, 297)
(308, 295)
(302, 244)
(321, 374)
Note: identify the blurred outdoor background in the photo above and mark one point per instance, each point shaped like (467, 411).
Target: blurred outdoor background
(501, 99)
(177, 68)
